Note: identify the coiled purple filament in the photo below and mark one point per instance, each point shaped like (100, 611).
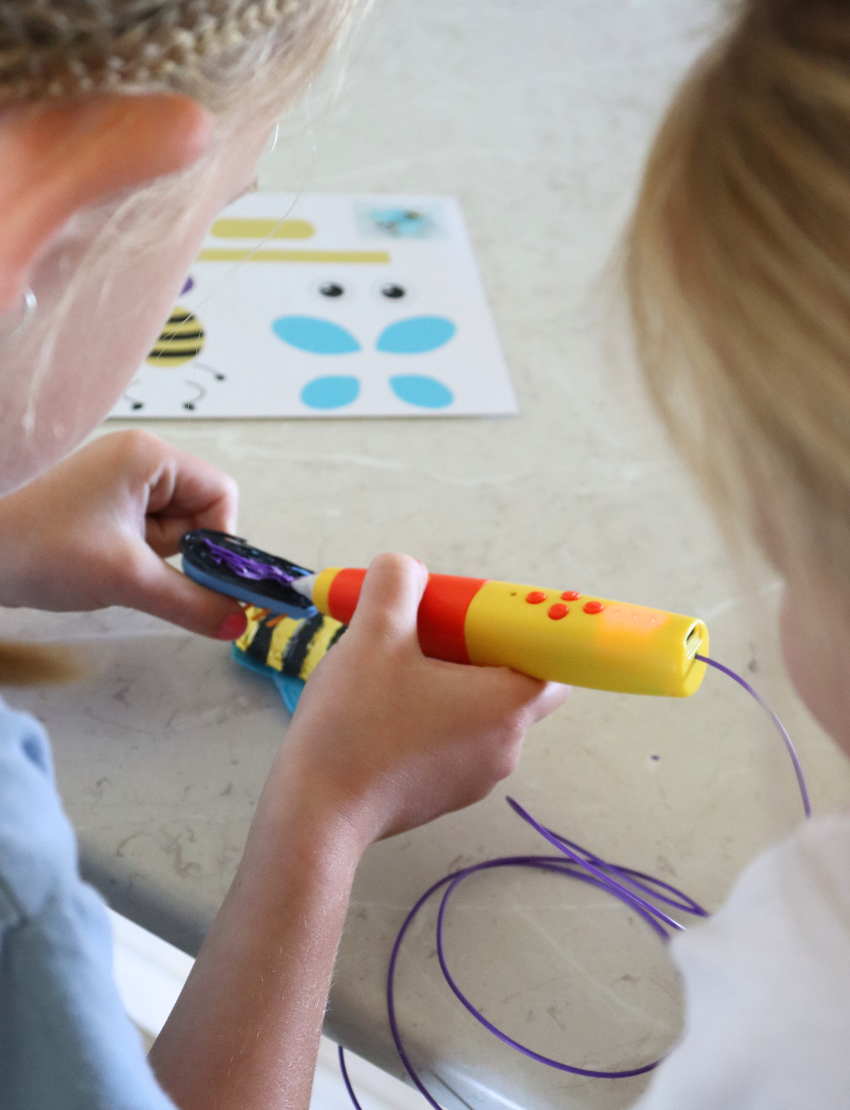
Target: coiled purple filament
(640, 892)
(246, 567)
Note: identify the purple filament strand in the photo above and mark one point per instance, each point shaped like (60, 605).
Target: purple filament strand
(247, 568)
(603, 875)
(780, 728)
(633, 888)
(502, 1036)
(650, 884)
(346, 1080)
(568, 867)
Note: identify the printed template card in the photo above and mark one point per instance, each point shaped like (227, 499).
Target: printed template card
(328, 305)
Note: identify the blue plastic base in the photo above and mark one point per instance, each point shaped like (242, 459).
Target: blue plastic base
(244, 593)
(289, 688)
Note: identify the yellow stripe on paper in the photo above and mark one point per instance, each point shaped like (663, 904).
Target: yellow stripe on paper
(246, 254)
(238, 228)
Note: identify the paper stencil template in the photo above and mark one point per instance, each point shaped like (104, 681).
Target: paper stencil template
(328, 305)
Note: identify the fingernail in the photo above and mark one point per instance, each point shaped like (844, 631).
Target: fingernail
(232, 627)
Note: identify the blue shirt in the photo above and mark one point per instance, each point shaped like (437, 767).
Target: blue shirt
(65, 1041)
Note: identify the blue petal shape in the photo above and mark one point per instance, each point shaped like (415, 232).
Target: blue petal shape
(331, 392)
(290, 689)
(417, 389)
(311, 333)
(416, 335)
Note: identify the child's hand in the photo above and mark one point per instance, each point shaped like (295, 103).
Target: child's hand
(95, 529)
(391, 739)
(383, 740)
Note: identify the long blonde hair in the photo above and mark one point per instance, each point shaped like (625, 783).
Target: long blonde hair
(233, 56)
(737, 269)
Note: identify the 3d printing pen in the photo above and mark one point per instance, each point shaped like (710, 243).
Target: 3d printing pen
(557, 635)
(553, 634)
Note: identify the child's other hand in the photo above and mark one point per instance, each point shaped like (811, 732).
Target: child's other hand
(391, 739)
(95, 529)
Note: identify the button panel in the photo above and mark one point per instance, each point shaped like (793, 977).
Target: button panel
(558, 611)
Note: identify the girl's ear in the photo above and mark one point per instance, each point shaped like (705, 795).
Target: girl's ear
(58, 157)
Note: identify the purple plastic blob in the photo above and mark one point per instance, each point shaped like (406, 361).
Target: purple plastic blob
(248, 568)
(188, 284)
(638, 891)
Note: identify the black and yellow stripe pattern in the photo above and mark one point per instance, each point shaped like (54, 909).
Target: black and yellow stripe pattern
(180, 340)
(293, 647)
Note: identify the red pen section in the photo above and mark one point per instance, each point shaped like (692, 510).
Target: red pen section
(442, 611)
(344, 593)
(442, 615)
(606, 645)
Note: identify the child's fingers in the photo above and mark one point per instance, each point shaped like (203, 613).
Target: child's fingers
(193, 491)
(553, 695)
(512, 689)
(188, 493)
(389, 598)
(155, 587)
(164, 534)
(530, 698)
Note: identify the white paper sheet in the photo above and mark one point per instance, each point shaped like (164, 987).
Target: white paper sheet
(328, 305)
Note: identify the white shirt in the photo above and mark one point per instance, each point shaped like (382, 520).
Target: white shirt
(767, 981)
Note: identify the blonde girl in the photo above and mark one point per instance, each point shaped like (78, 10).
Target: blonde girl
(125, 125)
(738, 276)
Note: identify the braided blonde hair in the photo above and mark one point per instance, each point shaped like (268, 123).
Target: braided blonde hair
(738, 276)
(214, 50)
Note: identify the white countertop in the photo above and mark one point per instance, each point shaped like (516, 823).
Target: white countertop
(537, 114)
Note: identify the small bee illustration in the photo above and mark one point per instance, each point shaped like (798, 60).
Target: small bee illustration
(179, 342)
(285, 649)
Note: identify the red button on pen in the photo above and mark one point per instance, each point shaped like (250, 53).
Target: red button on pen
(535, 597)
(570, 595)
(558, 612)
(594, 607)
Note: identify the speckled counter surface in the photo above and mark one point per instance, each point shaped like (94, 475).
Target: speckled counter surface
(537, 114)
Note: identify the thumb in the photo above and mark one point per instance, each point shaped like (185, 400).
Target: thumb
(389, 597)
(167, 593)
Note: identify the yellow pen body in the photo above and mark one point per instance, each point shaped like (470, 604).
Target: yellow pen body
(622, 647)
(559, 636)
